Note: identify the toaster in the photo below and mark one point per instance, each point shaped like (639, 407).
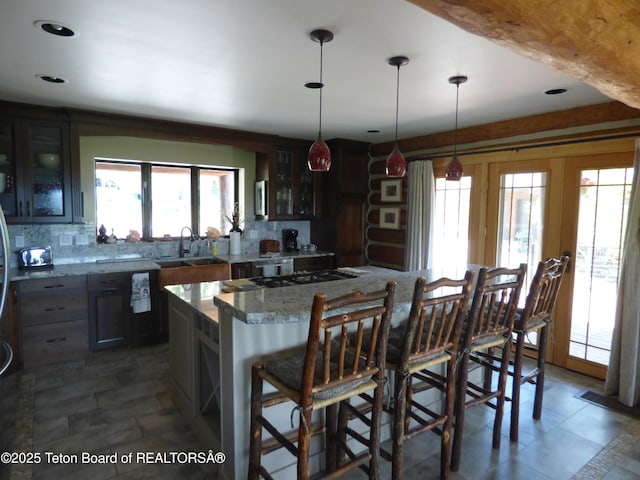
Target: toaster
(35, 257)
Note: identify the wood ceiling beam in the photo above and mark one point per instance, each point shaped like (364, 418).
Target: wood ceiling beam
(596, 41)
(602, 113)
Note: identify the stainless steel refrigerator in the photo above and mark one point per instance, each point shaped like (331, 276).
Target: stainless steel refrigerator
(6, 353)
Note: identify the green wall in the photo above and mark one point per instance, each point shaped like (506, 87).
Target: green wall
(164, 151)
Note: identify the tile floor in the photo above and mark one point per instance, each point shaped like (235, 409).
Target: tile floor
(120, 401)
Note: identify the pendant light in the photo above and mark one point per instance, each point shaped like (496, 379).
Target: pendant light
(396, 165)
(319, 158)
(454, 169)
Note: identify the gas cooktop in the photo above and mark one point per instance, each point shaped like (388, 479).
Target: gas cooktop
(301, 278)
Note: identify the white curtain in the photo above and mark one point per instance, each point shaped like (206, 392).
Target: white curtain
(420, 210)
(623, 375)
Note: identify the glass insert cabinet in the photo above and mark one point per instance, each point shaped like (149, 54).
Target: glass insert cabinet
(293, 189)
(35, 171)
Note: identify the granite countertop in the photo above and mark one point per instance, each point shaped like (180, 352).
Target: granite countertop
(116, 265)
(293, 304)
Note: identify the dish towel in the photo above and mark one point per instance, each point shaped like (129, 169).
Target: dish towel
(140, 294)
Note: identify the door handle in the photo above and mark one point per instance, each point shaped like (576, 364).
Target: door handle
(567, 253)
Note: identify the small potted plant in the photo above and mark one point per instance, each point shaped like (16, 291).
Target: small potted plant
(236, 231)
(234, 219)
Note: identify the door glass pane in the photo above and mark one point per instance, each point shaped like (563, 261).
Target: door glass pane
(521, 221)
(8, 200)
(171, 200)
(48, 173)
(602, 215)
(284, 199)
(217, 193)
(451, 230)
(118, 198)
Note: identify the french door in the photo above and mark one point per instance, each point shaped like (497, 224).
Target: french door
(596, 200)
(542, 208)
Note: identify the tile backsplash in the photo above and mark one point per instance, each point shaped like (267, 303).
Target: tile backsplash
(76, 243)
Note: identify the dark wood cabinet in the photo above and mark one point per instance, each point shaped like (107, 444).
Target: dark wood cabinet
(342, 227)
(53, 320)
(313, 264)
(241, 270)
(112, 321)
(35, 170)
(293, 191)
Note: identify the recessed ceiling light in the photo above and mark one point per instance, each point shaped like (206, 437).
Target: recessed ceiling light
(54, 28)
(51, 79)
(555, 91)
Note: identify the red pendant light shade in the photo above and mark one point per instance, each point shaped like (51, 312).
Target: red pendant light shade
(454, 169)
(396, 164)
(319, 158)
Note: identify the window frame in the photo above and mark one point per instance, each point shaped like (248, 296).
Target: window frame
(146, 187)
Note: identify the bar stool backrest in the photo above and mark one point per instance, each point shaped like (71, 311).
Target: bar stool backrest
(328, 363)
(495, 301)
(543, 291)
(435, 320)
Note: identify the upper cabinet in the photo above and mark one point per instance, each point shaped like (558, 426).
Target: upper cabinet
(35, 170)
(293, 190)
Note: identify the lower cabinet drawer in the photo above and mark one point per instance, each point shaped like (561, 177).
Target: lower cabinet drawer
(55, 342)
(58, 308)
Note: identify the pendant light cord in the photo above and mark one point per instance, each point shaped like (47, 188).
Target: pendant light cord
(397, 100)
(321, 88)
(455, 132)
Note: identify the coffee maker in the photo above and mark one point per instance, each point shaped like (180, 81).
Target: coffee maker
(290, 240)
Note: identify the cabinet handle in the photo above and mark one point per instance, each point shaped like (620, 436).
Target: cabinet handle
(56, 339)
(53, 309)
(28, 209)
(20, 208)
(57, 285)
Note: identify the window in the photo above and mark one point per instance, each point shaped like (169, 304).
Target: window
(119, 197)
(451, 232)
(159, 200)
(170, 200)
(521, 221)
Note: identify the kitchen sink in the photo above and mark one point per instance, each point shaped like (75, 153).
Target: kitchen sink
(189, 262)
(203, 261)
(192, 270)
(172, 264)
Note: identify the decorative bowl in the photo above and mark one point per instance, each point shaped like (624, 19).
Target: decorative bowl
(49, 160)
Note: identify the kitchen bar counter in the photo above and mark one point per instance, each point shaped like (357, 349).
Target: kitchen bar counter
(220, 344)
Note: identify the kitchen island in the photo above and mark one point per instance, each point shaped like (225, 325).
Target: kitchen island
(216, 336)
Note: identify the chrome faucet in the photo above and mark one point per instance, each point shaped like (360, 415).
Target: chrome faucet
(181, 249)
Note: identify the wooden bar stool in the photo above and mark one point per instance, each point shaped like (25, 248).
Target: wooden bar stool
(326, 372)
(488, 325)
(535, 317)
(428, 339)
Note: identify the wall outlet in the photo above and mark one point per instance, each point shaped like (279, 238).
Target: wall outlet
(66, 240)
(253, 234)
(19, 241)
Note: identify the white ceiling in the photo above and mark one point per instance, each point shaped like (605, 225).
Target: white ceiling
(243, 64)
